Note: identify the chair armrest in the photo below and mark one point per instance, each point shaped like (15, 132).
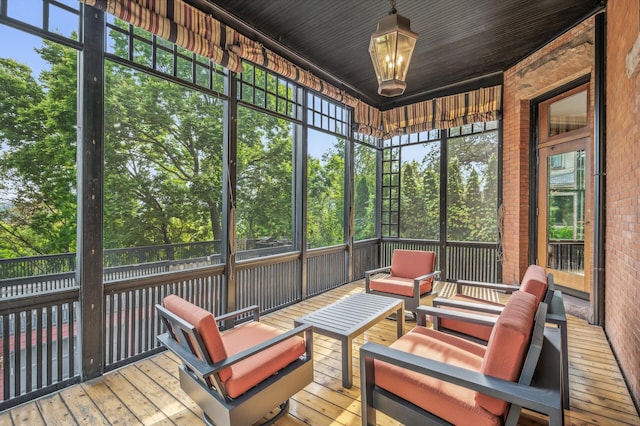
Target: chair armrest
(556, 313)
(537, 399)
(507, 288)
(234, 314)
(471, 306)
(425, 276)
(204, 369)
(193, 362)
(377, 270)
(472, 318)
(367, 275)
(416, 282)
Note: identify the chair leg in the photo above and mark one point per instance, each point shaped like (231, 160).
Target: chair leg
(284, 408)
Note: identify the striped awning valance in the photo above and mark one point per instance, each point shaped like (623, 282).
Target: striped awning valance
(367, 119)
(193, 29)
(255, 52)
(479, 105)
(178, 22)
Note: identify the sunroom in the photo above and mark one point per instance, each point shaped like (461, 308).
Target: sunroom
(240, 153)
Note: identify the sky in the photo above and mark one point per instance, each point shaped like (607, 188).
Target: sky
(20, 46)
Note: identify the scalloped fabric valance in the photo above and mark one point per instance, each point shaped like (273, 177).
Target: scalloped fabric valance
(178, 22)
(193, 29)
(201, 33)
(484, 104)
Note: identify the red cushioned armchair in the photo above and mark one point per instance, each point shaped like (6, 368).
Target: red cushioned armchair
(535, 281)
(431, 377)
(410, 277)
(239, 376)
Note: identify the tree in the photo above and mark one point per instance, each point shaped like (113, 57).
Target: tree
(265, 176)
(489, 209)
(473, 203)
(163, 161)
(431, 197)
(38, 126)
(325, 195)
(365, 194)
(412, 204)
(458, 215)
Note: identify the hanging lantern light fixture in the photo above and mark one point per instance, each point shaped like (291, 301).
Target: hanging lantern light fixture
(391, 48)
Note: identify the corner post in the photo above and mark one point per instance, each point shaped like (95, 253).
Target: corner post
(90, 170)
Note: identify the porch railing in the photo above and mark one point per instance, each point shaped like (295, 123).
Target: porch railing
(39, 315)
(566, 255)
(462, 261)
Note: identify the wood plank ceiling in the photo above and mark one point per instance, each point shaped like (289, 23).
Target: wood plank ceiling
(460, 41)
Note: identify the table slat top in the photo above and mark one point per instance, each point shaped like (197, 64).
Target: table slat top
(345, 317)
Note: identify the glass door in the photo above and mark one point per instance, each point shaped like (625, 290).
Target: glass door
(564, 190)
(563, 219)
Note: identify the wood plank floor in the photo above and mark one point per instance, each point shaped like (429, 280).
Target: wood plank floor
(148, 393)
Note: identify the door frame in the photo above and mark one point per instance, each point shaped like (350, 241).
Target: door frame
(533, 171)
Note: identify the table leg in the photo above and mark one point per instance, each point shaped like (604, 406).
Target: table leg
(400, 321)
(347, 362)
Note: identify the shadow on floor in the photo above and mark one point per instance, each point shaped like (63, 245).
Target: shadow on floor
(578, 307)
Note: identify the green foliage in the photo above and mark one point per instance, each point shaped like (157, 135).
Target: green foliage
(413, 223)
(37, 172)
(325, 194)
(163, 161)
(365, 192)
(265, 177)
(471, 191)
(561, 233)
(164, 175)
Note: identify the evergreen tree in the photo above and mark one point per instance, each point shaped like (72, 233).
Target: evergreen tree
(431, 197)
(457, 226)
(365, 192)
(412, 203)
(473, 203)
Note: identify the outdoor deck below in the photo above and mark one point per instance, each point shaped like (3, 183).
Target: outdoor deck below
(148, 391)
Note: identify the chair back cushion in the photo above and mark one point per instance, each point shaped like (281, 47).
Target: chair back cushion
(412, 263)
(535, 282)
(508, 346)
(205, 323)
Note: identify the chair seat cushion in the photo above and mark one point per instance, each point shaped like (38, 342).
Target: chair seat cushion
(447, 401)
(476, 330)
(399, 286)
(253, 370)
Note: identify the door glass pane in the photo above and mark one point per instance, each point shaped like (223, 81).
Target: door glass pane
(568, 114)
(565, 228)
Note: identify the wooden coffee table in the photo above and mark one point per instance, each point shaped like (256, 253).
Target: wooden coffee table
(348, 318)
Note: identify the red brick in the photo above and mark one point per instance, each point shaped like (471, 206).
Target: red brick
(622, 269)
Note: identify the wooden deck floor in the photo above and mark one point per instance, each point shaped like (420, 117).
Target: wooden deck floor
(148, 392)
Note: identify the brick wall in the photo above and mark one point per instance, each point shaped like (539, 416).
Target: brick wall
(563, 60)
(622, 262)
